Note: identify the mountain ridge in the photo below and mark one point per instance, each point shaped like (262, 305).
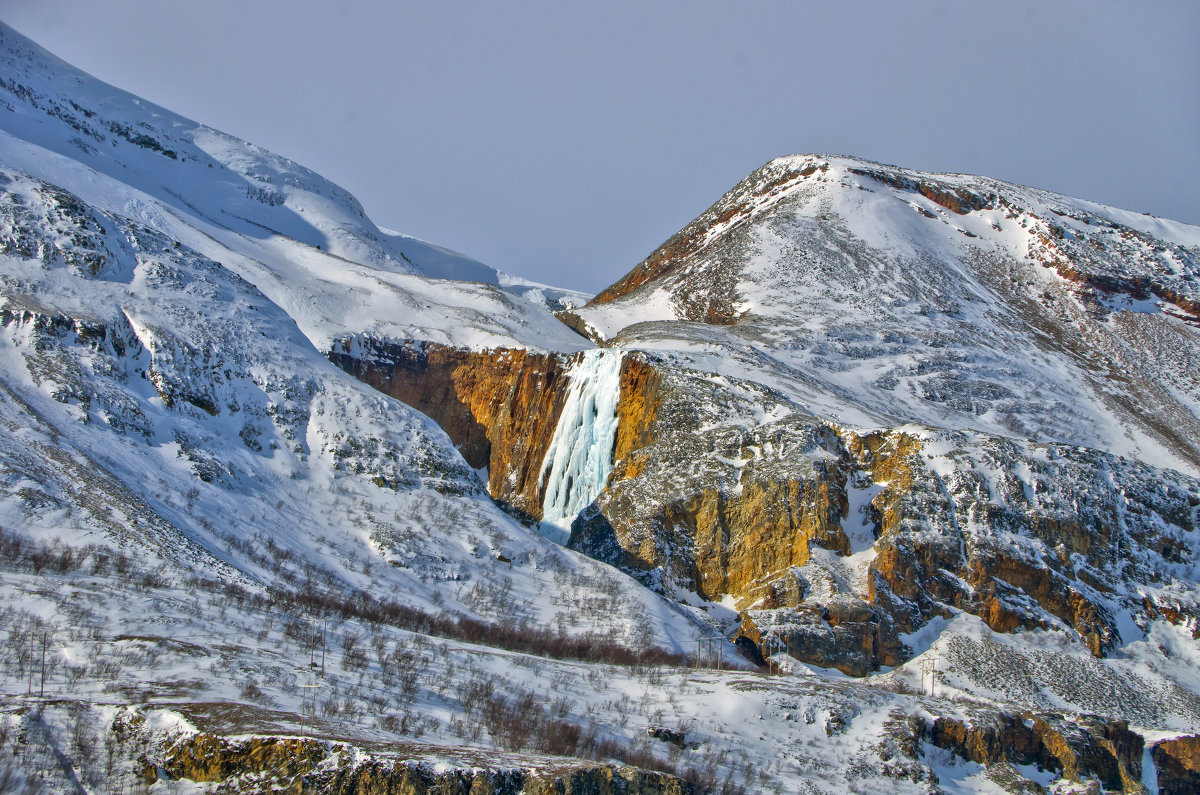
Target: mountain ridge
(860, 269)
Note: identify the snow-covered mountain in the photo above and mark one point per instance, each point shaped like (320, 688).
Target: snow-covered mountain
(305, 242)
(876, 295)
(925, 445)
(890, 409)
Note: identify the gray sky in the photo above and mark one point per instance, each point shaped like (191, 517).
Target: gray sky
(563, 141)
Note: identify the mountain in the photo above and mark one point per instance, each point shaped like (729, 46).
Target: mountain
(985, 393)
(867, 479)
(877, 295)
(303, 241)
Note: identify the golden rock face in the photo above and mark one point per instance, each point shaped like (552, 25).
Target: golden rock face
(740, 513)
(208, 757)
(741, 542)
(1093, 748)
(280, 764)
(500, 407)
(1178, 764)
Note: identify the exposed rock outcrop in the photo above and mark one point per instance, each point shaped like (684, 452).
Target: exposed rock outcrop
(277, 764)
(1083, 750)
(1023, 536)
(381, 778)
(1177, 763)
(500, 407)
(701, 500)
(955, 199)
(208, 757)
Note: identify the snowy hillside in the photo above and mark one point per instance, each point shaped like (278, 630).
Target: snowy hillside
(185, 477)
(878, 481)
(888, 410)
(303, 241)
(877, 296)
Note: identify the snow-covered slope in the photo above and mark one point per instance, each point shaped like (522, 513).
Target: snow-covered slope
(185, 478)
(877, 295)
(174, 441)
(936, 427)
(175, 381)
(305, 242)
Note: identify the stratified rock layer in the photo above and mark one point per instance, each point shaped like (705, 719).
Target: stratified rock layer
(1177, 763)
(274, 764)
(500, 407)
(1084, 750)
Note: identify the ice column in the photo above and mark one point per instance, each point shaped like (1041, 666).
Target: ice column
(579, 459)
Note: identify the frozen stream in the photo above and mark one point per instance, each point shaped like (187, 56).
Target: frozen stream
(580, 456)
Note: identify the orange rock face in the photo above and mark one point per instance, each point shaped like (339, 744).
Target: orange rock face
(743, 542)
(499, 407)
(1178, 765)
(640, 385)
(208, 757)
(1091, 749)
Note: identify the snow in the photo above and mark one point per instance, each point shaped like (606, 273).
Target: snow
(303, 241)
(543, 295)
(645, 306)
(858, 526)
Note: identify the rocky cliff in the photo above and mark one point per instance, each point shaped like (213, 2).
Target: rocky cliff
(1177, 762)
(1088, 749)
(838, 541)
(500, 407)
(831, 541)
(275, 764)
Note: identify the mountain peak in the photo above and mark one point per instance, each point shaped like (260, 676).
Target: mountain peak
(942, 299)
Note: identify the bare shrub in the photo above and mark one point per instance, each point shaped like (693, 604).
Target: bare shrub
(354, 657)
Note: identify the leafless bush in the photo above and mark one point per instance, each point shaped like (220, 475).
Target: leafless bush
(14, 780)
(252, 692)
(520, 637)
(354, 658)
(476, 692)
(76, 674)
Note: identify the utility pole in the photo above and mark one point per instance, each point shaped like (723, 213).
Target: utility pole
(770, 649)
(30, 691)
(705, 650)
(304, 704)
(42, 691)
(324, 631)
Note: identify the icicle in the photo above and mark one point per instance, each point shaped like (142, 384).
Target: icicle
(579, 459)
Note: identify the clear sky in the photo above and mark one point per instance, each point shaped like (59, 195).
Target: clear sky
(563, 141)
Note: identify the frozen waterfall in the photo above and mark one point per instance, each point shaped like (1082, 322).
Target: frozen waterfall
(580, 456)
